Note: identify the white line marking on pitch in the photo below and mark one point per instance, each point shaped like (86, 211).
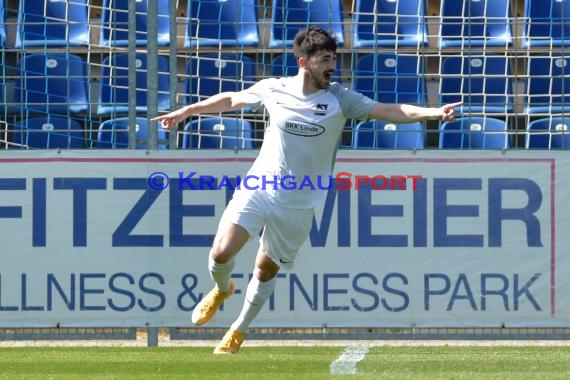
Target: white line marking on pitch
(346, 362)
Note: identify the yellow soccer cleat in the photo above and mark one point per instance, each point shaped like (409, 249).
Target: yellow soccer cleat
(207, 308)
(230, 343)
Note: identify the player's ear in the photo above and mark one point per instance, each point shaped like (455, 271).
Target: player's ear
(302, 62)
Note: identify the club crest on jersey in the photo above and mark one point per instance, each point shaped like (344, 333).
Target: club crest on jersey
(321, 109)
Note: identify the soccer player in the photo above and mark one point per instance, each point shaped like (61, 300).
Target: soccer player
(307, 114)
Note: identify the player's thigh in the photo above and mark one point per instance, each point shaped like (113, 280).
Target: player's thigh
(242, 218)
(284, 234)
(229, 239)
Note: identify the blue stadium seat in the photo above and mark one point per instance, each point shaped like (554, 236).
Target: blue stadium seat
(114, 88)
(51, 83)
(483, 83)
(289, 16)
(378, 134)
(49, 132)
(3, 87)
(547, 84)
(218, 133)
(474, 133)
(391, 78)
(115, 23)
(548, 133)
(479, 24)
(3, 110)
(221, 23)
(52, 23)
(389, 23)
(114, 133)
(2, 24)
(546, 23)
(2, 63)
(284, 65)
(210, 74)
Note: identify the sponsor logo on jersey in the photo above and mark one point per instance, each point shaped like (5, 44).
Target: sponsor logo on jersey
(301, 128)
(321, 109)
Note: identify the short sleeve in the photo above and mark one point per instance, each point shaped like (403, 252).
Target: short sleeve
(354, 105)
(255, 95)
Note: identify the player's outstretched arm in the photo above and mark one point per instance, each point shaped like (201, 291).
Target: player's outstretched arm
(406, 113)
(222, 102)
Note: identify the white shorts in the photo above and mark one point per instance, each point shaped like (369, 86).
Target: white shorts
(284, 229)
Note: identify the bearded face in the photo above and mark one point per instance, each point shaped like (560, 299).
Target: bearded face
(320, 68)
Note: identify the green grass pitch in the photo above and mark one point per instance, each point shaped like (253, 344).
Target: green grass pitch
(275, 363)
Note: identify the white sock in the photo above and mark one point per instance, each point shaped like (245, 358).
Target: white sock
(220, 273)
(255, 297)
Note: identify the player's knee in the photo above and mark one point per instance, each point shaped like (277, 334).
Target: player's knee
(264, 274)
(221, 255)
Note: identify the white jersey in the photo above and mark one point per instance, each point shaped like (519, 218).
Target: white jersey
(302, 137)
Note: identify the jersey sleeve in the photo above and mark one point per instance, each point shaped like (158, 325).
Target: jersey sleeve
(354, 105)
(254, 95)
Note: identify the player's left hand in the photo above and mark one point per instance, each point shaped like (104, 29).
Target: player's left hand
(447, 113)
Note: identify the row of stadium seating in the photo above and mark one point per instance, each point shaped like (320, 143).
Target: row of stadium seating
(234, 133)
(464, 133)
(373, 23)
(60, 132)
(60, 83)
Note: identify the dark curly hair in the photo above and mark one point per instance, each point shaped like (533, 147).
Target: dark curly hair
(311, 40)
